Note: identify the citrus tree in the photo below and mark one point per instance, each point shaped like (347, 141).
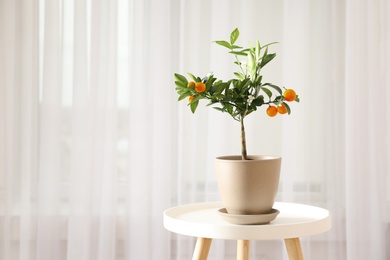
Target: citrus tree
(242, 95)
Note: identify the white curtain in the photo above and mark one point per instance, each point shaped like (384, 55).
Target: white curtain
(367, 124)
(94, 145)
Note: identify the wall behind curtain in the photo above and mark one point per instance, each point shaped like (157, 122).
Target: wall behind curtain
(94, 145)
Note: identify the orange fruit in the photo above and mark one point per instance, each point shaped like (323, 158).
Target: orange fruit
(282, 109)
(200, 87)
(190, 98)
(289, 95)
(272, 111)
(191, 84)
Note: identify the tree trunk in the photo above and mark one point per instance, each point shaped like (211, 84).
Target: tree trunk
(243, 139)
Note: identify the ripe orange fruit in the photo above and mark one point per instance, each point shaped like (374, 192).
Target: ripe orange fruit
(200, 87)
(272, 111)
(289, 95)
(190, 98)
(191, 84)
(282, 109)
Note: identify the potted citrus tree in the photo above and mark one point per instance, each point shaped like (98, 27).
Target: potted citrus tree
(247, 183)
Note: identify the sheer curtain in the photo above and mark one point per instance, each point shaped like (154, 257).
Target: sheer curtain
(367, 125)
(94, 145)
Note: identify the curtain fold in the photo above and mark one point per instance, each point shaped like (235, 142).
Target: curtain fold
(367, 114)
(314, 134)
(50, 137)
(94, 145)
(19, 110)
(80, 173)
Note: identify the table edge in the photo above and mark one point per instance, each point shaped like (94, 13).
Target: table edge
(247, 232)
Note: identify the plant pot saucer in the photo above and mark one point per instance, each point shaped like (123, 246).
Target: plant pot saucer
(259, 219)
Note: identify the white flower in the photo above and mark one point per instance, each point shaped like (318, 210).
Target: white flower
(250, 99)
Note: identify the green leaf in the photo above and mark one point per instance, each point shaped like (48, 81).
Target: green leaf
(193, 105)
(236, 47)
(181, 78)
(238, 53)
(180, 84)
(265, 53)
(196, 79)
(243, 85)
(278, 100)
(224, 43)
(212, 102)
(218, 88)
(267, 91)
(183, 90)
(219, 109)
(234, 35)
(251, 65)
(278, 89)
(258, 50)
(268, 44)
(259, 101)
(287, 108)
(184, 95)
(267, 59)
(209, 82)
(239, 75)
(228, 108)
(197, 98)
(250, 46)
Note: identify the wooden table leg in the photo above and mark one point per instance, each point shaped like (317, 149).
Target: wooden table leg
(202, 248)
(294, 249)
(243, 249)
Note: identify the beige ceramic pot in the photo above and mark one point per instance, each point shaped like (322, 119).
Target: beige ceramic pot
(248, 187)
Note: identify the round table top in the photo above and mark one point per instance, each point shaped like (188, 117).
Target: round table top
(203, 220)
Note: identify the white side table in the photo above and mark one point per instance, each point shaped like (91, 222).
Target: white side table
(202, 220)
